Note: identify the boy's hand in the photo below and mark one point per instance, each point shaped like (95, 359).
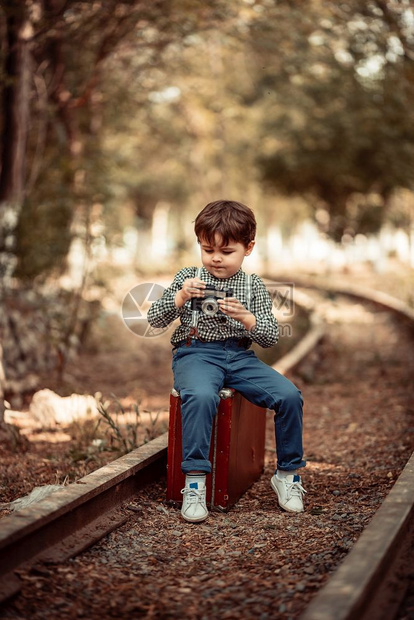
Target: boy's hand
(234, 308)
(192, 287)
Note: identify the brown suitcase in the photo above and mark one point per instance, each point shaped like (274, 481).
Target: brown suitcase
(236, 451)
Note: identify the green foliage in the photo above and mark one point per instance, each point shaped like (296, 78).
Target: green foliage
(182, 102)
(124, 436)
(340, 121)
(67, 112)
(43, 234)
(120, 440)
(117, 430)
(43, 237)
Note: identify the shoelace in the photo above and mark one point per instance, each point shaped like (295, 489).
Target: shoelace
(294, 489)
(193, 496)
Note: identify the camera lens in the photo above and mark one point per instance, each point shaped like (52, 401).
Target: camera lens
(209, 306)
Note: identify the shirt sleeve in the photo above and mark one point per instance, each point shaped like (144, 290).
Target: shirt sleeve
(266, 331)
(164, 311)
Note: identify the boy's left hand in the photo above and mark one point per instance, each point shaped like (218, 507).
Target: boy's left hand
(232, 307)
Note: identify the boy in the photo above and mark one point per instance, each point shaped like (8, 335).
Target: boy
(211, 349)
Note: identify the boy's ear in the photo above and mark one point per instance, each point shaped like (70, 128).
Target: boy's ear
(249, 248)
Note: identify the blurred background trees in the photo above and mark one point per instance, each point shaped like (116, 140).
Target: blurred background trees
(344, 132)
(55, 62)
(121, 119)
(119, 111)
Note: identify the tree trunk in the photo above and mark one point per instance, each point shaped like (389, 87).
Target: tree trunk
(16, 96)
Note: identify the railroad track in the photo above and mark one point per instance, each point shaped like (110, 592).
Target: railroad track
(73, 519)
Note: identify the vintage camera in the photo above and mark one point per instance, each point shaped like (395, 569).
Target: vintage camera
(208, 304)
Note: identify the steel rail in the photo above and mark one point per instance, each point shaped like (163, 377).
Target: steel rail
(378, 298)
(370, 582)
(77, 516)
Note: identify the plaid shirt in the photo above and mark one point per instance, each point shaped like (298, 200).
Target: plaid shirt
(220, 327)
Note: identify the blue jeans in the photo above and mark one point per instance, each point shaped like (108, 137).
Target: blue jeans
(203, 368)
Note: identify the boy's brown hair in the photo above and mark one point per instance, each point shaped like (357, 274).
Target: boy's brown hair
(232, 220)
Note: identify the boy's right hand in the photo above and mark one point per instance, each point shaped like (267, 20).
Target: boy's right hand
(192, 287)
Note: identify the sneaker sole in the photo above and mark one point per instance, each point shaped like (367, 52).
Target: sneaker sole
(276, 490)
(194, 520)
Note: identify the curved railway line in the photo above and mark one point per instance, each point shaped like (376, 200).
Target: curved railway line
(366, 579)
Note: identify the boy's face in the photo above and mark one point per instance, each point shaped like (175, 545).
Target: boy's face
(223, 261)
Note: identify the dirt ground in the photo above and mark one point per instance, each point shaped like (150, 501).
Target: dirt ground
(257, 561)
(136, 371)
(117, 365)
(124, 368)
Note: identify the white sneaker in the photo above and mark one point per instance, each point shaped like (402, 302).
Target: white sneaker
(289, 492)
(194, 508)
